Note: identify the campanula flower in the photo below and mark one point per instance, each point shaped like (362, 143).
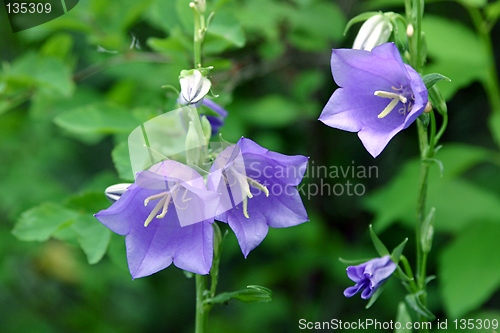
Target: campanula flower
(379, 95)
(369, 276)
(374, 32)
(166, 215)
(257, 189)
(194, 86)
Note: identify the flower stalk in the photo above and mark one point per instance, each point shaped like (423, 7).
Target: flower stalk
(201, 320)
(428, 140)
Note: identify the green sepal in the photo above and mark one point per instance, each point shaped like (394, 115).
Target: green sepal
(353, 261)
(430, 278)
(398, 250)
(425, 119)
(403, 317)
(359, 18)
(427, 231)
(206, 128)
(431, 79)
(374, 297)
(414, 302)
(204, 71)
(249, 295)
(379, 246)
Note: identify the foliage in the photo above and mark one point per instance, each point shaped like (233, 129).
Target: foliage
(71, 90)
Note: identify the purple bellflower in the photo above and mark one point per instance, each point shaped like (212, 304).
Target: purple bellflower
(379, 95)
(369, 276)
(257, 189)
(166, 215)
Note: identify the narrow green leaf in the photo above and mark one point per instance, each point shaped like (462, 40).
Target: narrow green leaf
(431, 79)
(39, 223)
(398, 250)
(251, 294)
(416, 305)
(375, 296)
(379, 246)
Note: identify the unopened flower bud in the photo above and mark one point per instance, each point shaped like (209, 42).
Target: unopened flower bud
(194, 86)
(409, 30)
(374, 32)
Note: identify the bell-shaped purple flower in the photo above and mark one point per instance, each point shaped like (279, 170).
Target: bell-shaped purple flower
(379, 95)
(166, 215)
(369, 276)
(258, 191)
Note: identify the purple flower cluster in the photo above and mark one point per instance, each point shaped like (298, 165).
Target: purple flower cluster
(167, 213)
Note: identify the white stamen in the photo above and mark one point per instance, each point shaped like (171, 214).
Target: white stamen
(396, 98)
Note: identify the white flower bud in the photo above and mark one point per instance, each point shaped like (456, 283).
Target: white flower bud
(194, 86)
(374, 32)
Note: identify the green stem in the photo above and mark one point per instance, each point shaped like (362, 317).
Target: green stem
(444, 124)
(201, 312)
(409, 272)
(426, 152)
(199, 33)
(490, 82)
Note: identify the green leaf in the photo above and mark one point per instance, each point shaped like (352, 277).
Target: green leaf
(431, 79)
(39, 223)
(270, 111)
(457, 201)
(494, 123)
(473, 3)
(468, 268)
(226, 29)
(97, 118)
(44, 72)
(121, 159)
(446, 42)
(414, 302)
(493, 11)
(398, 250)
(375, 296)
(249, 295)
(379, 246)
(93, 237)
(403, 317)
(314, 26)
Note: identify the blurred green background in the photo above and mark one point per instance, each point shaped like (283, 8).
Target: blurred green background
(71, 90)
